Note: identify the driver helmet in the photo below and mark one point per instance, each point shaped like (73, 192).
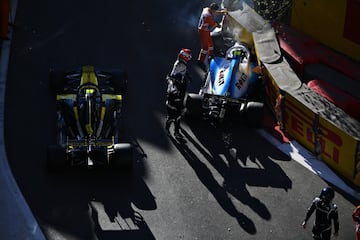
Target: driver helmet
(238, 50)
(235, 52)
(327, 194)
(86, 93)
(185, 54)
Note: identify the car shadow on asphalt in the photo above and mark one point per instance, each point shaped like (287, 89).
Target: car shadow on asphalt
(84, 203)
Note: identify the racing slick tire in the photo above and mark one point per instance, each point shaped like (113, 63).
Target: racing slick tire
(193, 105)
(254, 114)
(57, 81)
(119, 81)
(56, 158)
(122, 158)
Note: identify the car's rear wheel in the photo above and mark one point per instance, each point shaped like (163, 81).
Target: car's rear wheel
(255, 114)
(122, 158)
(193, 104)
(56, 158)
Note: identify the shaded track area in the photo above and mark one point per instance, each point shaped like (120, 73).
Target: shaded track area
(211, 185)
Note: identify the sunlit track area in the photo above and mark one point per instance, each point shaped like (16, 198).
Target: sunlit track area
(86, 152)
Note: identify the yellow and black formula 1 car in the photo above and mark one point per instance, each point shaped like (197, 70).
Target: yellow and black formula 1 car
(89, 105)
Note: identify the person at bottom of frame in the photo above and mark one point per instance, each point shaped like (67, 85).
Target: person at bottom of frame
(176, 89)
(356, 218)
(325, 213)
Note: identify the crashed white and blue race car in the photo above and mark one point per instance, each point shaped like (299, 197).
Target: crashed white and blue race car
(231, 88)
(89, 105)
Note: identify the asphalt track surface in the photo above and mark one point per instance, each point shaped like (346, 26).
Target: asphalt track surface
(194, 189)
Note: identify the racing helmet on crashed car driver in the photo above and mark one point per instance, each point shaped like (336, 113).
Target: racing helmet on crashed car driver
(238, 50)
(185, 54)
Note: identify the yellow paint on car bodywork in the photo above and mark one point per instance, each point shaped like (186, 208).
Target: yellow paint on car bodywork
(88, 75)
(89, 129)
(112, 96)
(66, 97)
(89, 91)
(76, 113)
(103, 110)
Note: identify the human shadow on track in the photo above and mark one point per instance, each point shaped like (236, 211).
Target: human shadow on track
(242, 164)
(246, 155)
(218, 191)
(96, 204)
